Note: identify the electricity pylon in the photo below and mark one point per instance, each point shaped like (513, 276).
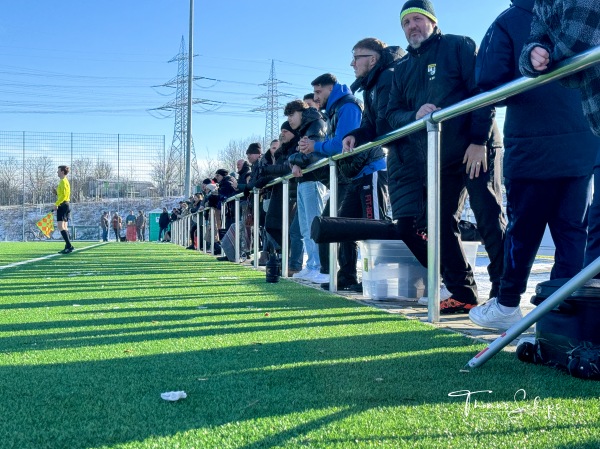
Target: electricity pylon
(272, 106)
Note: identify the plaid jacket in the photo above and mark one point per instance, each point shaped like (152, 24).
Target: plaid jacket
(565, 28)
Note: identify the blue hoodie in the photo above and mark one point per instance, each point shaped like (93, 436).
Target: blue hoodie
(348, 119)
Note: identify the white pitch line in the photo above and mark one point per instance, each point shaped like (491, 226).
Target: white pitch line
(49, 256)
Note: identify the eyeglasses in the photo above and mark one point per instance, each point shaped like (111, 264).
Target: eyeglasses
(355, 57)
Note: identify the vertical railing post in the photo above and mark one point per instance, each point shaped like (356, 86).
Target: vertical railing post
(198, 230)
(212, 231)
(433, 220)
(256, 224)
(285, 228)
(237, 230)
(204, 227)
(333, 207)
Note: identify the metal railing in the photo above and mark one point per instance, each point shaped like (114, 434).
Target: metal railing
(432, 123)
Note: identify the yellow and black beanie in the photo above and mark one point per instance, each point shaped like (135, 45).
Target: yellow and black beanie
(424, 7)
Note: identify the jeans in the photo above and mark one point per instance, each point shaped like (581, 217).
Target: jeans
(162, 232)
(105, 235)
(310, 205)
(531, 204)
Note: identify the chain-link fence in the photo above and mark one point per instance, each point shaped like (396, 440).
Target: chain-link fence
(115, 172)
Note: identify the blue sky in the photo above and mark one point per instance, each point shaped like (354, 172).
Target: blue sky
(90, 67)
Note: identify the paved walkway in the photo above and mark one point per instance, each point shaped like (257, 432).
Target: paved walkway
(459, 322)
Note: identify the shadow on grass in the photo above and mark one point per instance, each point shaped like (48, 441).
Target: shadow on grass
(258, 370)
(101, 403)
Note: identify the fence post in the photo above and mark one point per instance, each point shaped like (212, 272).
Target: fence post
(285, 228)
(198, 231)
(212, 231)
(433, 220)
(237, 229)
(256, 224)
(333, 207)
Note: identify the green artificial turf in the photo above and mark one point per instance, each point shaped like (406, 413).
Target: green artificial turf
(89, 341)
(14, 252)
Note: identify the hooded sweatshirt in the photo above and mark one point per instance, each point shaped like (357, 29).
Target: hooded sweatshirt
(341, 120)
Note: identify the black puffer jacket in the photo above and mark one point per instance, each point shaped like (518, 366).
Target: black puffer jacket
(314, 127)
(545, 133)
(441, 72)
(376, 87)
(281, 167)
(376, 93)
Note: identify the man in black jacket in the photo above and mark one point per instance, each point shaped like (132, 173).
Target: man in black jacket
(227, 189)
(548, 160)
(438, 72)
(307, 122)
(366, 195)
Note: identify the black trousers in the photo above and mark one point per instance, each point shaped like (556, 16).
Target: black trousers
(366, 197)
(456, 271)
(485, 199)
(562, 204)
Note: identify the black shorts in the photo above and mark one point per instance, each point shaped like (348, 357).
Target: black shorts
(63, 211)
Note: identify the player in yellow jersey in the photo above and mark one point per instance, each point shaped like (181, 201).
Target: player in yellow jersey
(63, 207)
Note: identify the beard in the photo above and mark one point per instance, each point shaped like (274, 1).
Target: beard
(416, 41)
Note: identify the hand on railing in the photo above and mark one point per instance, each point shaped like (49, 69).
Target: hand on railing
(540, 58)
(427, 108)
(348, 144)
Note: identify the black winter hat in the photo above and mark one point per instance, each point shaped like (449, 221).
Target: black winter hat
(254, 148)
(222, 172)
(424, 7)
(286, 125)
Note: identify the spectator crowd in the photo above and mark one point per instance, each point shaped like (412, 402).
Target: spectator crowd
(550, 156)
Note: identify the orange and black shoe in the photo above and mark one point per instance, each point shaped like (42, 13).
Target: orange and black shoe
(451, 305)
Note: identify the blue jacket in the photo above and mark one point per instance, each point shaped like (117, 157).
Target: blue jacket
(347, 119)
(545, 132)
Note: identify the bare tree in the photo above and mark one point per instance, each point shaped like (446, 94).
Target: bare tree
(207, 168)
(10, 181)
(235, 150)
(163, 175)
(82, 174)
(40, 182)
(103, 170)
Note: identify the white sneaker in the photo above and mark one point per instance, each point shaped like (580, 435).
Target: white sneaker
(303, 274)
(490, 316)
(318, 277)
(444, 294)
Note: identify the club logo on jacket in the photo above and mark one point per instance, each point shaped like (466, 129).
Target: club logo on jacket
(431, 71)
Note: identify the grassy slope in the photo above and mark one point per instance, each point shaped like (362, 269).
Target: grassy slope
(88, 341)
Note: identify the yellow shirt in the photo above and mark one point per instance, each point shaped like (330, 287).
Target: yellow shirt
(63, 191)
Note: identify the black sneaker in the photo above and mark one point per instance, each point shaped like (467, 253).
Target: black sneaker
(223, 259)
(451, 305)
(69, 249)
